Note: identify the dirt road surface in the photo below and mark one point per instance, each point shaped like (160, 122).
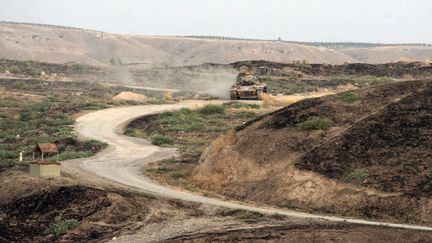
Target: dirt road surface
(121, 161)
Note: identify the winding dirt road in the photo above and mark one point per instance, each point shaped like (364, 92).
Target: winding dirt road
(122, 160)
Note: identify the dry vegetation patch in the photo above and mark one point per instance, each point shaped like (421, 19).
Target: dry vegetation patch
(191, 131)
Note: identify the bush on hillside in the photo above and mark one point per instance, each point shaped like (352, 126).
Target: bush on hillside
(61, 227)
(212, 109)
(315, 123)
(162, 140)
(350, 97)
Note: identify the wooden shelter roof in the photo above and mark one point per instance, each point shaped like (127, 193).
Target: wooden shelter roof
(46, 148)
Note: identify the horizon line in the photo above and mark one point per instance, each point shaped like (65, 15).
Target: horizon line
(329, 44)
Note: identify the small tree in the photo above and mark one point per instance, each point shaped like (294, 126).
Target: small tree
(113, 61)
(116, 61)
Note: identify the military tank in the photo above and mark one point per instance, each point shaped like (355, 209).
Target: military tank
(248, 86)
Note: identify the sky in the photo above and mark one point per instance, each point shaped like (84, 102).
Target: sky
(378, 21)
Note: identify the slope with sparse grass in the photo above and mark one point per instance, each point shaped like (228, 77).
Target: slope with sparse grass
(31, 119)
(191, 131)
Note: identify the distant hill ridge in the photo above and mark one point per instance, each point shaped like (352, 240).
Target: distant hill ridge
(51, 26)
(213, 37)
(311, 43)
(60, 44)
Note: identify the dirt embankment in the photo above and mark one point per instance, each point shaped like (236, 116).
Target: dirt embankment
(392, 147)
(30, 205)
(266, 161)
(307, 233)
(127, 95)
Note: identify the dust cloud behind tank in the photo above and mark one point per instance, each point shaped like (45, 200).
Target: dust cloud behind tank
(206, 79)
(248, 85)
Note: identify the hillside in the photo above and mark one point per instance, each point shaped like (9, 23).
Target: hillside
(61, 44)
(364, 153)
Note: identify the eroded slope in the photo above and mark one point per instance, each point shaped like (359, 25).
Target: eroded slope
(393, 148)
(257, 163)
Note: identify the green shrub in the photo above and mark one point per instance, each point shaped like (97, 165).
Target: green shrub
(246, 114)
(177, 175)
(72, 155)
(315, 123)
(8, 102)
(350, 97)
(373, 80)
(168, 118)
(196, 127)
(233, 104)
(61, 227)
(291, 87)
(212, 109)
(77, 67)
(93, 106)
(357, 176)
(6, 164)
(5, 154)
(40, 107)
(130, 131)
(135, 132)
(184, 111)
(170, 113)
(162, 140)
(93, 145)
(14, 70)
(159, 170)
(303, 66)
(184, 119)
(19, 85)
(64, 120)
(35, 72)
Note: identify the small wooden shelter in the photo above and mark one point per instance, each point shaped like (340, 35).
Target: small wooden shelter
(43, 166)
(45, 150)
